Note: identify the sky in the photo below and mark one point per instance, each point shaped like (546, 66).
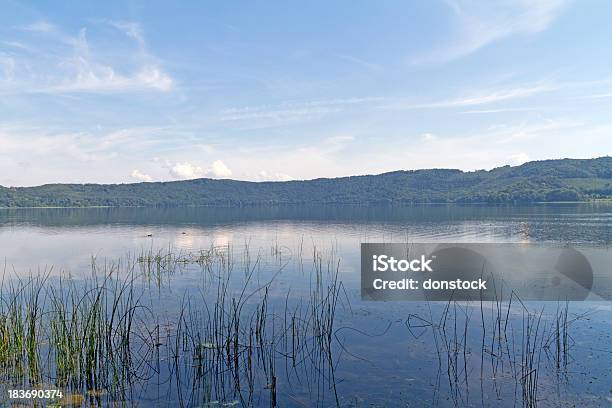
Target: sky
(121, 92)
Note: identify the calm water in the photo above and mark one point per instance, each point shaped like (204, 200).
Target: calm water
(380, 355)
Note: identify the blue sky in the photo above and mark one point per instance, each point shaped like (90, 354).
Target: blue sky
(117, 92)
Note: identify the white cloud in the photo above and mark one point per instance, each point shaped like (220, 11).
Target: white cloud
(484, 22)
(518, 158)
(112, 157)
(186, 171)
(219, 169)
(141, 176)
(265, 176)
(428, 137)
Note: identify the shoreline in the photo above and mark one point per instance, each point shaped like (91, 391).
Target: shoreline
(356, 205)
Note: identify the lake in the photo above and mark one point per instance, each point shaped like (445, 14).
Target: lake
(219, 307)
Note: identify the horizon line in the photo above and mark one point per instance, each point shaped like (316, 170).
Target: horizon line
(307, 180)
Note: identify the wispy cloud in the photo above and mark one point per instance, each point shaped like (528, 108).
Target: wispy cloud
(500, 110)
(503, 93)
(293, 112)
(90, 77)
(497, 145)
(7, 67)
(598, 96)
(479, 97)
(132, 30)
(359, 62)
(44, 141)
(49, 60)
(39, 27)
(481, 23)
(288, 111)
(524, 132)
(499, 95)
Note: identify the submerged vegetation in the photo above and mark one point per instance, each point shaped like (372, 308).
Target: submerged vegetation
(514, 347)
(539, 181)
(103, 339)
(238, 338)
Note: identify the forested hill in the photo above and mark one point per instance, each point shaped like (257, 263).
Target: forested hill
(549, 180)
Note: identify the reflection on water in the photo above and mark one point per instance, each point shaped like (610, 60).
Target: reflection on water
(67, 238)
(381, 354)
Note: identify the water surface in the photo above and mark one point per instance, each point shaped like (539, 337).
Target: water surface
(379, 354)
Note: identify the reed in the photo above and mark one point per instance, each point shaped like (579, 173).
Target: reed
(235, 337)
(517, 343)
